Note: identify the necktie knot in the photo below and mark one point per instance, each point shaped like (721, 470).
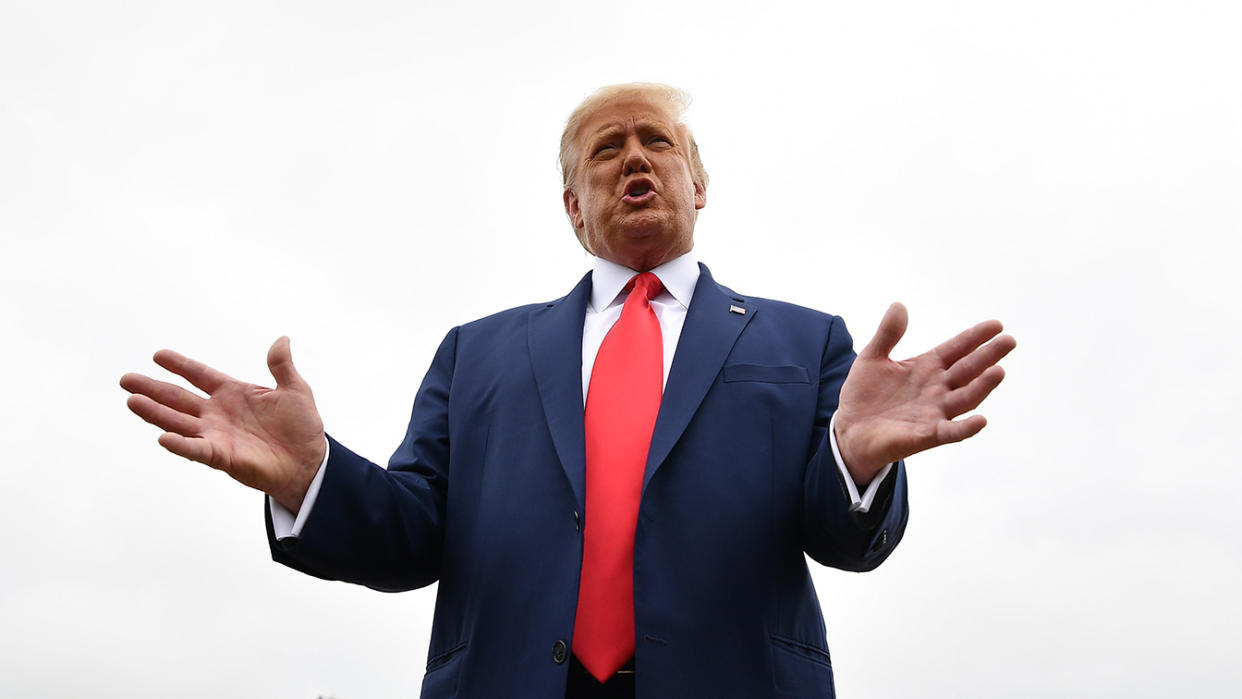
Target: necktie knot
(647, 284)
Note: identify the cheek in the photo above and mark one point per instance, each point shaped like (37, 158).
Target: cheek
(594, 208)
(685, 190)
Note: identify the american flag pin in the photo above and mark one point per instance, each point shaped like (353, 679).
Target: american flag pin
(737, 309)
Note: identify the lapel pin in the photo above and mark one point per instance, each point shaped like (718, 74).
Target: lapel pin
(737, 309)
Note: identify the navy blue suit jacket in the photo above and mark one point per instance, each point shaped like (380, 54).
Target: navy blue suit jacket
(486, 495)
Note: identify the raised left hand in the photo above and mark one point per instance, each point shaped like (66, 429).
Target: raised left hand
(892, 409)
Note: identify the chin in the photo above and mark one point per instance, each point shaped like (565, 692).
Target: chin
(645, 224)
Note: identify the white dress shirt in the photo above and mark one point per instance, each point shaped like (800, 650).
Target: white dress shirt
(608, 279)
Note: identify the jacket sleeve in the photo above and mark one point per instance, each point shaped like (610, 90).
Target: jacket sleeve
(383, 528)
(832, 534)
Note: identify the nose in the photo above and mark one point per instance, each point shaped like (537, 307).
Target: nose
(635, 158)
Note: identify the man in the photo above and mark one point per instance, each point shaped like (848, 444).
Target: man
(615, 489)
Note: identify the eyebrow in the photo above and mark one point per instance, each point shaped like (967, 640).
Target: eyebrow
(610, 131)
(606, 134)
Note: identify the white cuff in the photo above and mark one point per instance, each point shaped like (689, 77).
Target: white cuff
(286, 525)
(857, 503)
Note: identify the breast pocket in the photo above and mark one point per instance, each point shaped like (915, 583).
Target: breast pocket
(759, 373)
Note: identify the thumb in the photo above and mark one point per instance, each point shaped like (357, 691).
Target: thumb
(892, 327)
(280, 363)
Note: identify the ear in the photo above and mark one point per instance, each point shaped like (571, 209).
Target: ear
(700, 195)
(572, 209)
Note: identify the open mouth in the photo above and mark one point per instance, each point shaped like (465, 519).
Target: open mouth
(639, 191)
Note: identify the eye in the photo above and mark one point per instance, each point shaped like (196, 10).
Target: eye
(660, 139)
(604, 149)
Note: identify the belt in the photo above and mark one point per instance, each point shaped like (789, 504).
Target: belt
(583, 685)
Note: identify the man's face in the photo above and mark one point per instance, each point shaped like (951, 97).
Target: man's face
(634, 199)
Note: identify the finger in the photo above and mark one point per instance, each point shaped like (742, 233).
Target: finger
(192, 448)
(195, 372)
(967, 368)
(163, 417)
(967, 341)
(892, 327)
(957, 430)
(280, 363)
(969, 397)
(165, 393)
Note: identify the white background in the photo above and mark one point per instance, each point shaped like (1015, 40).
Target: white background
(210, 176)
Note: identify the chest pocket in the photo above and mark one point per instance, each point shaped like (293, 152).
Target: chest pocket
(736, 373)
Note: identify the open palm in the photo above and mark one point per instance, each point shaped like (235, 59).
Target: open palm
(270, 439)
(892, 409)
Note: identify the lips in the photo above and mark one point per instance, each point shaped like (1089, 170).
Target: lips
(638, 191)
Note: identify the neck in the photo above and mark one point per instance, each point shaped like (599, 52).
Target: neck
(645, 262)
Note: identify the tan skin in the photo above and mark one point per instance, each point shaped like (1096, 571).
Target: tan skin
(635, 203)
(628, 144)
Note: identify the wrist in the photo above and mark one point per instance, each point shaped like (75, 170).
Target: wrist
(296, 487)
(861, 469)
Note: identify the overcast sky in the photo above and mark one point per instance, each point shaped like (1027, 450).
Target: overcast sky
(363, 176)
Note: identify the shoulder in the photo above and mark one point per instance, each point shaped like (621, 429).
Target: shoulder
(511, 322)
(569, 304)
(792, 310)
(517, 320)
(507, 316)
(779, 310)
(782, 322)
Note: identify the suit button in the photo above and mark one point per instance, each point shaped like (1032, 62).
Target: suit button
(560, 653)
(880, 542)
(577, 522)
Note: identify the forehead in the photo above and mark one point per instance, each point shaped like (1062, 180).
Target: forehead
(623, 112)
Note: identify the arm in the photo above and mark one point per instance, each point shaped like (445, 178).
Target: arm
(834, 533)
(383, 528)
(889, 410)
(370, 526)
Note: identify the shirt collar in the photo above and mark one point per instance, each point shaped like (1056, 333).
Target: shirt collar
(679, 277)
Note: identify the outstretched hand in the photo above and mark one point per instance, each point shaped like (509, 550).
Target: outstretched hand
(892, 409)
(268, 439)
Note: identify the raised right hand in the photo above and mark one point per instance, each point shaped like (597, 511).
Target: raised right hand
(268, 439)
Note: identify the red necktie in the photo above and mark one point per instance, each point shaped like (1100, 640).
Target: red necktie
(622, 402)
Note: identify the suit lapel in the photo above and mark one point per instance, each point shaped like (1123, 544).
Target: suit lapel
(554, 337)
(713, 324)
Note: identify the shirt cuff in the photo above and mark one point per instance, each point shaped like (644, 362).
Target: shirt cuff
(858, 503)
(287, 525)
